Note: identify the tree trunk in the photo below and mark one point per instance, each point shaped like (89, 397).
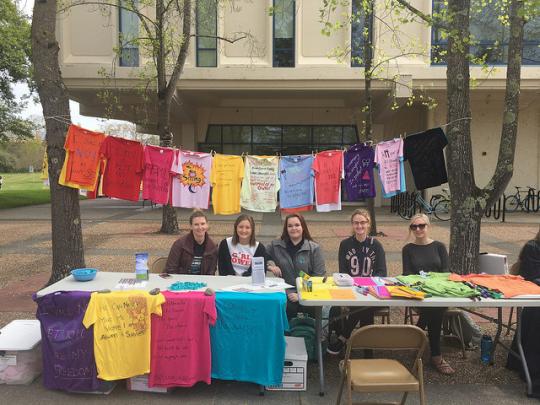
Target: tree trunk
(465, 209)
(67, 241)
(169, 220)
(368, 115)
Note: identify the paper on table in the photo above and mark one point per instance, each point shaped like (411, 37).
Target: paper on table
(364, 281)
(130, 284)
(269, 286)
(342, 294)
(323, 294)
(320, 280)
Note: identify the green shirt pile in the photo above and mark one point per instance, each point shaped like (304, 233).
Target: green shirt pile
(437, 284)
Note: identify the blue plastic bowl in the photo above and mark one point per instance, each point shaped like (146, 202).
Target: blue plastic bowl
(84, 274)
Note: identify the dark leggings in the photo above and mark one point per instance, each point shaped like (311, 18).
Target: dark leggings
(432, 318)
(345, 326)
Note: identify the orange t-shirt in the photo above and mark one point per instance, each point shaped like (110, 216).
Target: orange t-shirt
(82, 166)
(509, 285)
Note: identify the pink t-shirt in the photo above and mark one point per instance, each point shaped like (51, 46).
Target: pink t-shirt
(328, 169)
(388, 154)
(180, 348)
(191, 179)
(156, 180)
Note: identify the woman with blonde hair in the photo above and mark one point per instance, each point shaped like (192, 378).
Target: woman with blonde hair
(427, 255)
(360, 255)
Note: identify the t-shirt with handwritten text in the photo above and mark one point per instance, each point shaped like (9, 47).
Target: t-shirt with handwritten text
(191, 179)
(261, 184)
(389, 158)
(124, 168)
(80, 169)
(181, 353)
(66, 345)
(226, 177)
(157, 180)
(328, 169)
(122, 331)
(296, 182)
(359, 182)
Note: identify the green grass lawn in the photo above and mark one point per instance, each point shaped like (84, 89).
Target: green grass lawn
(20, 189)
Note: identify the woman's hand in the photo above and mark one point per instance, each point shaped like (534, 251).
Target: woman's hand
(275, 270)
(293, 297)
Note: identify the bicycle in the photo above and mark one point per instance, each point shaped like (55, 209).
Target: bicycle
(441, 208)
(513, 202)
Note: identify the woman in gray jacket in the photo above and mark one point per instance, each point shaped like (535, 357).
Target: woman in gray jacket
(295, 251)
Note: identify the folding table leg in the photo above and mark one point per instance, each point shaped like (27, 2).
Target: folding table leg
(497, 335)
(318, 321)
(522, 353)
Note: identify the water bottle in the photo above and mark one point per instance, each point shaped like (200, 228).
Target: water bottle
(141, 266)
(486, 345)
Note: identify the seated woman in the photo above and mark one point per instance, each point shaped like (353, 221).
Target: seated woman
(195, 252)
(295, 251)
(236, 252)
(529, 269)
(359, 256)
(428, 255)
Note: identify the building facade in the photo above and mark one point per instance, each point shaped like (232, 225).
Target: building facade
(287, 88)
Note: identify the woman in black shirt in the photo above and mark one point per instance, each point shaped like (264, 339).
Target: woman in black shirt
(360, 255)
(427, 255)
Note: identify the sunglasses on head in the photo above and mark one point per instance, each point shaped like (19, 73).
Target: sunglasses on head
(414, 227)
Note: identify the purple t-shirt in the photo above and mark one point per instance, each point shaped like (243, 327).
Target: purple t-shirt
(67, 346)
(359, 182)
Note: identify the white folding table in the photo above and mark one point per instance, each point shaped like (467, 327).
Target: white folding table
(370, 301)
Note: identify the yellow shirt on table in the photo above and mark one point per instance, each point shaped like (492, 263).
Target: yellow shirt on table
(226, 178)
(122, 329)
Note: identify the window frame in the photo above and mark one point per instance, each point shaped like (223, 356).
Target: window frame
(122, 62)
(197, 39)
(274, 37)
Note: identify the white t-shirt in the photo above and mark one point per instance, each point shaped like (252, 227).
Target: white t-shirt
(241, 256)
(261, 183)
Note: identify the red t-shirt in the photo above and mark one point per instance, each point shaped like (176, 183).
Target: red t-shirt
(83, 146)
(157, 177)
(123, 169)
(328, 169)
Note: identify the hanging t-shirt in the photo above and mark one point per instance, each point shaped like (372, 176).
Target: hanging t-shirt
(191, 179)
(67, 346)
(226, 178)
(81, 164)
(241, 256)
(248, 342)
(121, 322)
(389, 158)
(124, 168)
(261, 184)
(424, 151)
(156, 180)
(359, 181)
(328, 169)
(181, 353)
(296, 182)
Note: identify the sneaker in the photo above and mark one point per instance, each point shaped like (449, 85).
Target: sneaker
(335, 348)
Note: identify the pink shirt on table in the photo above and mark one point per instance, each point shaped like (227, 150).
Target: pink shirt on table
(191, 179)
(156, 180)
(388, 154)
(180, 348)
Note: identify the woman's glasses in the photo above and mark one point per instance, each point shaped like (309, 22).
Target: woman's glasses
(414, 227)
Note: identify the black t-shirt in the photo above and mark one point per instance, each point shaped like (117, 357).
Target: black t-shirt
(432, 257)
(198, 252)
(292, 248)
(424, 151)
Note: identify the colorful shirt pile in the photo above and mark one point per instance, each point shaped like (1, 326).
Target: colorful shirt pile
(509, 285)
(439, 285)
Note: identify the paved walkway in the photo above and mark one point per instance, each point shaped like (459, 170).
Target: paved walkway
(114, 230)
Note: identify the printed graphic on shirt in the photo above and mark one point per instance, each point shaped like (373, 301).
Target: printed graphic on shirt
(193, 176)
(191, 179)
(196, 265)
(361, 261)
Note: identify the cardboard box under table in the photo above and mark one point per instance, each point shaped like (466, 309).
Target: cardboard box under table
(20, 352)
(294, 366)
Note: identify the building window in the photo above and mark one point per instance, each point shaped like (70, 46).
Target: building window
(206, 11)
(358, 21)
(128, 36)
(490, 38)
(273, 139)
(283, 28)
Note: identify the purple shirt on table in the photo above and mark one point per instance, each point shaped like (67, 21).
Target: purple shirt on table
(359, 182)
(67, 346)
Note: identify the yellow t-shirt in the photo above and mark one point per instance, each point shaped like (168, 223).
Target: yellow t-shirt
(122, 329)
(226, 178)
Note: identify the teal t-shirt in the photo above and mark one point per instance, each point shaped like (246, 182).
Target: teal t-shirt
(248, 339)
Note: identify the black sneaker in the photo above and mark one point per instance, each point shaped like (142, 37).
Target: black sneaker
(335, 348)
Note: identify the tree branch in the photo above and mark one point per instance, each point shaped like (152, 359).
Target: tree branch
(225, 39)
(431, 20)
